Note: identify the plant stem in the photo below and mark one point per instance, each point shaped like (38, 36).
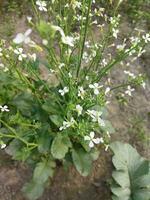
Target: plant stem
(84, 37)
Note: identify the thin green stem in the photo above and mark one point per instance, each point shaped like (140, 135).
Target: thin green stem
(84, 37)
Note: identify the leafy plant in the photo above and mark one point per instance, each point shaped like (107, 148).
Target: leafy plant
(132, 174)
(53, 106)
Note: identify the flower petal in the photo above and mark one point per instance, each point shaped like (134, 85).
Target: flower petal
(91, 144)
(92, 134)
(28, 32)
(87, 138)
(19, 38)
(97, 140)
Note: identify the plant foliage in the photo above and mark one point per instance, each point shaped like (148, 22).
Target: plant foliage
(132, 174)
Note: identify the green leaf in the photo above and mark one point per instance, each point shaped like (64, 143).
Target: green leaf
(60, 146)
(94, 154)
(56, 119)
(44, 139)
(122, 178)
(43, 171)
(25, 103)
(44, 143)
(82, 161)
(33, 190)
(132, 175)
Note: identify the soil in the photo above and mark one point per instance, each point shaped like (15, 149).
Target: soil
(69, 185)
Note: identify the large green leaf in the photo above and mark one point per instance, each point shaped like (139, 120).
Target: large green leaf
(43, 171)
(132, 175)
(60, 146)
(82, 161)
(33, 190)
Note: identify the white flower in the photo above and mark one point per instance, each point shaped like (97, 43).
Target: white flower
(93, 140)
(1, 52)
(115, 33)
(1, 65)
(146, 38)
(45, 42)
(70, 75)
(143, 84)
(3, 146)
(106, 147)
(68, 40)
(4, 108)
(121, 47)
(81, 92)
(79, 109)
(29, 19)
(96, 88)
(5, 69)
(129, 90)
(64, 91)
(67, 124)
(23, 37)
(104, 62)
(129, 73)
(76, 4)
(96, 117)
(33, 56)
(107, 90)
(61, 65)
(19, 52)
(42, 5)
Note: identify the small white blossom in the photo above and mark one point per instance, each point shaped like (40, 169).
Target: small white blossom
(107, 90)
(4, 108)
(104, 62)
(93, 140)
(5, 69)
(121, 47)
(95, 87)
(106, 147)
(146, 38)
(32, 56)
(79, 109)
(129, 73)
(64, 91)
(19, 52)
(81, 92)
(96, 117)
(1, 54)
(61, 65)
(115, 33)
(42, 5)
(3, 146)
(70, 75)
(67, 124)
(129, 90)
(76, 4)
(45, 42)
(29, 19)
(23, 37)
(143, 84)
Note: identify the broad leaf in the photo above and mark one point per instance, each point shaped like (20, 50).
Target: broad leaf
(56, 119)
(82, 161)
(33, 190)
(60, 146)
(132, 175)
(43, 171)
